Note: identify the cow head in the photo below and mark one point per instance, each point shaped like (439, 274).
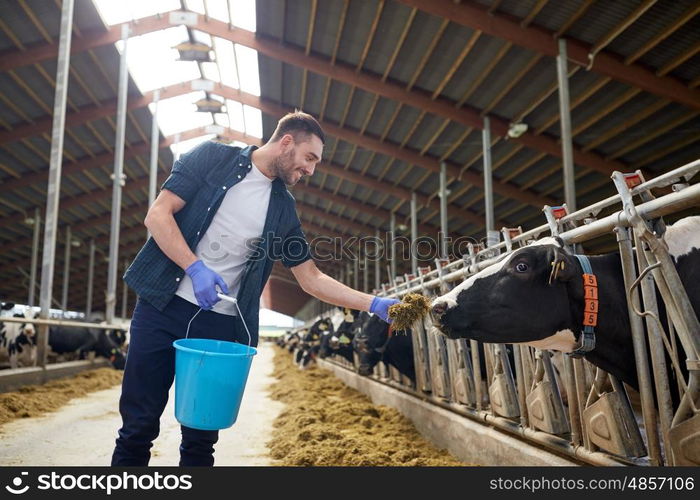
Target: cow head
(370, 343)
(28, 328)
(352, 323)
(521, 298)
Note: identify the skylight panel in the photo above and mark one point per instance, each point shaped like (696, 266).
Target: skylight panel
(248, 69)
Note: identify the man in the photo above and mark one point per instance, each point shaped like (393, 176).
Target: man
(220, 220)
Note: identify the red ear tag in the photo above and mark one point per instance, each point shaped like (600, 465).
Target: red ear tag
(590, 319)
(589, 280)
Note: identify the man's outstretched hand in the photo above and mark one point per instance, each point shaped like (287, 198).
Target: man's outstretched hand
(380, 307)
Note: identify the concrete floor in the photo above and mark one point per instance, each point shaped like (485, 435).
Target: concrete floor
(83, 432)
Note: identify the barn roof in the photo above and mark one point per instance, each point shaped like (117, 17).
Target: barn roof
(399, 86)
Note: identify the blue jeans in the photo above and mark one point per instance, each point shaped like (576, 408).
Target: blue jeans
(149, 374)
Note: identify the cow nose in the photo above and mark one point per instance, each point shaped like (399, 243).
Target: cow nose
(439, 309)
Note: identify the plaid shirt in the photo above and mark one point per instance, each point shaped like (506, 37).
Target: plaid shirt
(201, 178)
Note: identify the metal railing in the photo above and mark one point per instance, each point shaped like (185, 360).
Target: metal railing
(559, 402)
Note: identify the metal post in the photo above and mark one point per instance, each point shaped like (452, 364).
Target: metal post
(54, 186)
(565, 120)
(125, 291)
(91, 277)
(392, 246)
(443, 210)
(177, 146)
(35, 256)
(153, 171)
(365, 274)
(414, 234)
(111, 297)
(629, 275)
(491, 234)
(356, 271)
(377, 264)
(66, 270)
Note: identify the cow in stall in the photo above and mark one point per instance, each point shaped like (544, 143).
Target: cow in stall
(378, 342)
(18, 340)
(535, 296)
(340, 341)
(310, 344)
(83, 340)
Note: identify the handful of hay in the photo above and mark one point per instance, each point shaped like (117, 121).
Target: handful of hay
(412, 308)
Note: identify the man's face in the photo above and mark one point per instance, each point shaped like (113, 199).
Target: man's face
(297, 159)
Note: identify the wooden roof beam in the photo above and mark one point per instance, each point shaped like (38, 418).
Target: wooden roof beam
(467, 116)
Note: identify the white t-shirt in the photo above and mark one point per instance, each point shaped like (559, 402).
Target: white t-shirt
(241, 217)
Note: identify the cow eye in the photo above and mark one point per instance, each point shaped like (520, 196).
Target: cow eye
(521, 267)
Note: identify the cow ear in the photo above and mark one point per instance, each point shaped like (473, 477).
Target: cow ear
(560, 265)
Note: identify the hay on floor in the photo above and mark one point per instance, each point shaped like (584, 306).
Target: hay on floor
(326, 423)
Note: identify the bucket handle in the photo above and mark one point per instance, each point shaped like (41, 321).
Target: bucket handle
(234, 301)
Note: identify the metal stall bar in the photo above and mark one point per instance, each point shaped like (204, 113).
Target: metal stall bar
(377, 264)
(54, 186)
(392, 246)
(414, 234)
(35, 256)
(365, 273)
(125, 291)
(91, 279)
(443, 210)
(565, 121)
(66, 270)
(118, 180)
(646, 393)
(656, 348)
(153, 168)
(491, 234)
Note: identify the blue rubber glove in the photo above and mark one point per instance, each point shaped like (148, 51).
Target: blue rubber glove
(380, 307)
(204, 282)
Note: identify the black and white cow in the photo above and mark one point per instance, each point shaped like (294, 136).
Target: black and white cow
(18, 340)
(377, 342)
(340, 341)
(519, 300)
(310, 344)
(82, 340)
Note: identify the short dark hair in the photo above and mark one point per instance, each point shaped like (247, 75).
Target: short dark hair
(298, 124)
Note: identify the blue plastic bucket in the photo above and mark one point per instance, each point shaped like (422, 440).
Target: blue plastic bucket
(210, 377)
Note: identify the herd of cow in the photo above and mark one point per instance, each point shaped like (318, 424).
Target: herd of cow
(520, 299)
(18, 340)
(351, 334)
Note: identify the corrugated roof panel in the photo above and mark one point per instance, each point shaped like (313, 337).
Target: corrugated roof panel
(683, 41)
(338, 94)
(542, 76)
(296, 23)
(359, 19)
(292, 84)
(600, 19)
(314, 93)
(450, 134)
(359, 109)
(383, 111)
(421, 34)
(326, 26)
(391, 24)
(473, 68)
(403, 123)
